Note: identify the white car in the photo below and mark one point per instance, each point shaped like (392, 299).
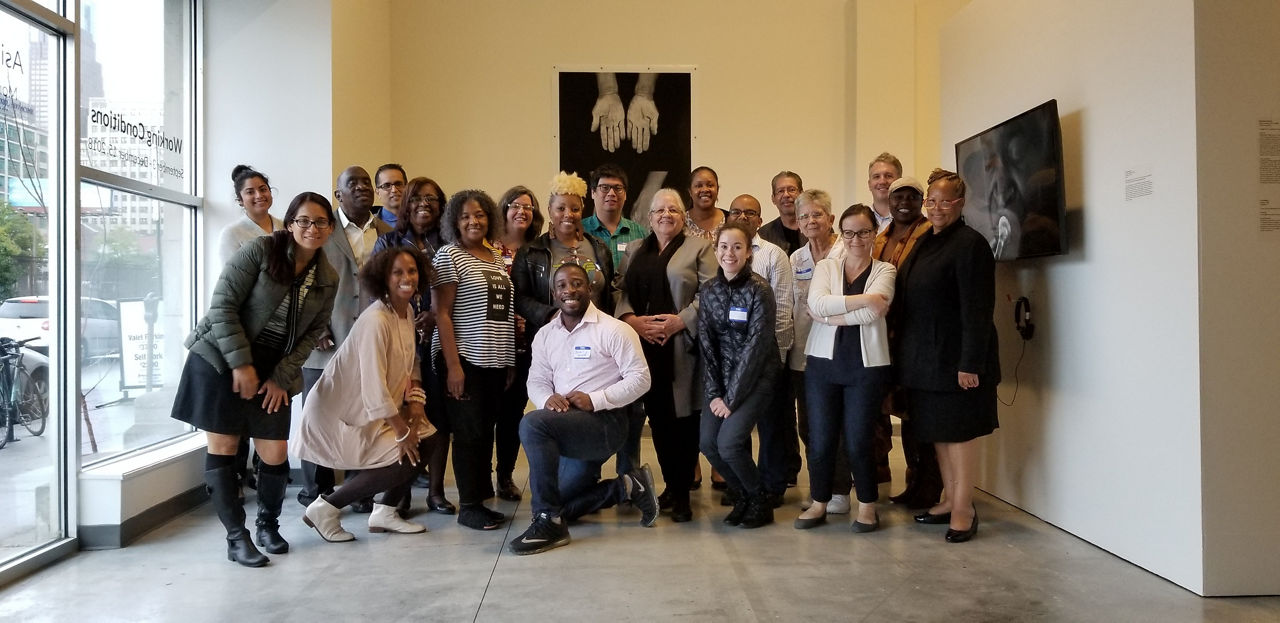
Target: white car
(24, 317)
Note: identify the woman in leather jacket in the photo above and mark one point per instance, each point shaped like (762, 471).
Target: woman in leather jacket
(739, 351)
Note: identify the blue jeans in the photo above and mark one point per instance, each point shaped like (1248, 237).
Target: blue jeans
(726, 442)
(854, 409)
(565, 451)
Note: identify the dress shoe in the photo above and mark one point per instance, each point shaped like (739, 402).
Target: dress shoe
(906, 496)
(960, 536)
(681, 512)
(664, 500)
(805, 523)
(384, 519)
(759, 511)
(695, 485)
(508, 490)
(863, 528)
(438, 504)
(719, 485)
(323, 516)
(931, 519)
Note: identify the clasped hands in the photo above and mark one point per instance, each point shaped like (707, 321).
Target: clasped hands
(575, 399)
(656, 329)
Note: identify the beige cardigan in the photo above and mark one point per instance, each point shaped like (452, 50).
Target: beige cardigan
(826, 298)
(363, 384)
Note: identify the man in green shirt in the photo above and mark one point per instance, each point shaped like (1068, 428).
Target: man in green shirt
(609, 194)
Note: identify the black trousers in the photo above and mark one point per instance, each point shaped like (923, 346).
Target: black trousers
(507, 432)
(675, 439)
(472, 420)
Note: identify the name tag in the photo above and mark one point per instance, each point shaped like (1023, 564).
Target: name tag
(737, 314)
(581, 352)
(804, 274)
(622, 247)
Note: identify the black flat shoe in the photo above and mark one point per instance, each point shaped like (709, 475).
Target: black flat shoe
(681, 512)
(812, 522)
(960, 536)
(863, 528)
(929, 518)
(438, 504)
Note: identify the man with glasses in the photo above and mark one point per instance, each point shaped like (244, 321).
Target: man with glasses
(352, 243)
(773, 264)
(389, 183)
(784, 231)
(609, 195)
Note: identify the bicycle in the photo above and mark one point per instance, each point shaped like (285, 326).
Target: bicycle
(25, 399)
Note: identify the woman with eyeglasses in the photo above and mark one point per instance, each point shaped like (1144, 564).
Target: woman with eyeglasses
(660, 279)
(946, 351)
(814, 217)
(253, 195)
(474, 345)
(522, 226)
(847, 369)
(272, 302)
(417, 226)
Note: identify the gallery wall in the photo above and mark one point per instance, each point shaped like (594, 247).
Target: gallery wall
(1236, 50)
(1104, 437)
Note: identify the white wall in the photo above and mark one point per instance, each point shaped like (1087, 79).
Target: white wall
(1236, 52)
(1104, 438)
(477, 107)
(268, 103)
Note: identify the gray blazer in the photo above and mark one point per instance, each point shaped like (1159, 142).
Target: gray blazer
(691, 266)
(350, 301)
(243, 302)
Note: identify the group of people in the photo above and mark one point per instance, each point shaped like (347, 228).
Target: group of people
(425, 324)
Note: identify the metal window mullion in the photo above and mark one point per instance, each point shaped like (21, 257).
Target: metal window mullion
(112, 181)
(41, 15)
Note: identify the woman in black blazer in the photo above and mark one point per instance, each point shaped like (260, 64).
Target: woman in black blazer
(946, 353)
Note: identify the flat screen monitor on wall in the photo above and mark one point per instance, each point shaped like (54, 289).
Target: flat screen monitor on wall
(1015, 191)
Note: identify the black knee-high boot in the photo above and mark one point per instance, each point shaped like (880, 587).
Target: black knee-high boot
(270, 498)
(222, 491)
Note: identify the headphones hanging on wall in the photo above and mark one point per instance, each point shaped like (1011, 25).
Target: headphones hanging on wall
(1022, 318)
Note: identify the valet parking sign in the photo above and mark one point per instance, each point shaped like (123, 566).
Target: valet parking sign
(133, 345)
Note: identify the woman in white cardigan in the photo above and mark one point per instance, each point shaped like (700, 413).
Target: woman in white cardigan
(847, 368)
(367, 411)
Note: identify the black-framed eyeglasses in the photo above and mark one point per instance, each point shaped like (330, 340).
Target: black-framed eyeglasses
(606, 188)
(306, 223)
(390, 185)
(861, 234)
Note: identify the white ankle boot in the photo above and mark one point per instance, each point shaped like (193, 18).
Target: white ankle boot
(323, 516)
(384, 519)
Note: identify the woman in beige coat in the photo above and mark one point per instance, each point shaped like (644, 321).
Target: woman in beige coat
(367, 411)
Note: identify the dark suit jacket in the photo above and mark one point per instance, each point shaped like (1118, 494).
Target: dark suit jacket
(942, 313)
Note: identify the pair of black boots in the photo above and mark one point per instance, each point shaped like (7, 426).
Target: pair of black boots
(750, 511)
(223, 489)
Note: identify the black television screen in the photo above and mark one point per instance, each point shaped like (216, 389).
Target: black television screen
(1015, 192)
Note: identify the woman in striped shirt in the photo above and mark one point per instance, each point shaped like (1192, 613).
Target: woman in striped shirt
(474, 343)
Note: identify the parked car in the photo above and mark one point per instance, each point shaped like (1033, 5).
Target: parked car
(28, 316)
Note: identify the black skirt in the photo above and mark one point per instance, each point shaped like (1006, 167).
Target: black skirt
(206, 402)
(953, 416)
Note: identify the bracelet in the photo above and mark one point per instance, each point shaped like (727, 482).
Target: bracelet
(422, 400)
(405, 436)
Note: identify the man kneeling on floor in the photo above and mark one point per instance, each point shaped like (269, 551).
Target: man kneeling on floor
(587, 371)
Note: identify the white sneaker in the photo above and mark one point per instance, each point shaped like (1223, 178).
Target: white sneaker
(839, 505)
(323, 516)
(384, 519)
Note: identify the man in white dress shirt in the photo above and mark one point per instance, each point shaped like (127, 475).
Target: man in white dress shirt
(588, 371)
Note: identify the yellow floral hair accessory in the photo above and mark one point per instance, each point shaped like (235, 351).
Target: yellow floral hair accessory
(568, 184)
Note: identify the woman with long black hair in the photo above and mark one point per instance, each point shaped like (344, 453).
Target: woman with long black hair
(272, 302)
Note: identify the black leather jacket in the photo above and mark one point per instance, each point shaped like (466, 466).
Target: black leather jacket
(738, 350)
(531, 276)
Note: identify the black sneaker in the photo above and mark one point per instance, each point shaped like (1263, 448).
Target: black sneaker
(543, 534)
(642, 495)
(477, 517)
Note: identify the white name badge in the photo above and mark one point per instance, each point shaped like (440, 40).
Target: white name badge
(622, 247)
(737, 314)
(804, 274)
(581, 352)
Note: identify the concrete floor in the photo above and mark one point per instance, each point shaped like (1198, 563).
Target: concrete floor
(1016, 569)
